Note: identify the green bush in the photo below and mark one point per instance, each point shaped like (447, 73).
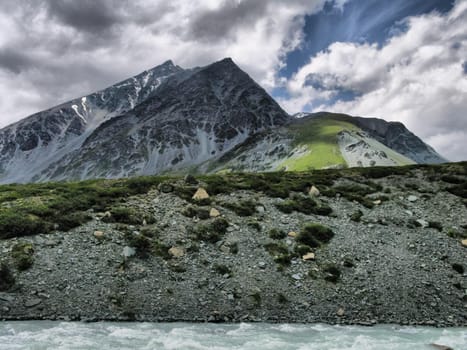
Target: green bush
(277, 234)
(195, 211)
(281, 298)
(302, 249)
(7, 279)
(130, 216)
(211, 232)
(22, 254)
(283, 259)
(313, 234)
(436, 225)
(222, 269)
(332, 273)
(141, 243)
(276, 248)
(356, 216)
(72, 220)
(305, 205)
(254, 225)
(242, 208)
(18, 224)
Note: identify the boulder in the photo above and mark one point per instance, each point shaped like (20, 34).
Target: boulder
(200, 193)
(412, 198)
(32, 302)
(464, 242)
(177, 252)
(99, 234)
(214, 213)
(441, 347)
(308, 256)
(422, 223)
(128, 252)
(314, 192)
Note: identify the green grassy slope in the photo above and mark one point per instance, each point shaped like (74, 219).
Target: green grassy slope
(318, 136)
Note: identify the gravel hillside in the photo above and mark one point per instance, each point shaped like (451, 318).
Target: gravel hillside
(343, 247)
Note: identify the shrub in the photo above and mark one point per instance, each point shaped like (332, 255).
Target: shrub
(332, 273)
(356, 216)
(72, 220)
(161, 250)
(357, 193)
(242, 208)
(211, 232)
(17, 224)
(128, 216)
(281, 298)
(195, 211)
(277, 234)
(312, 234)
(276, 248)
(436, 225)
(459, 268)
(305, 205)
(283, 259)
(141, 243)
(254, 225)
(256, 298)
(302, 249)
(222, 269)
(7, 279)
(459, 190)
(22, 254)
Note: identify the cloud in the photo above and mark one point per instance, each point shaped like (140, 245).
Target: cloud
(54, 50)
(416, 77)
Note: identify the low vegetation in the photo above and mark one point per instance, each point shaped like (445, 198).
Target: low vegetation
(313, 235)
(23, 255)
(7, 279)
(211, 232)
(241, 208)
(32, 209)
(303, 204)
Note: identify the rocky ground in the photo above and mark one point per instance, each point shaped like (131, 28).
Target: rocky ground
(401, 261)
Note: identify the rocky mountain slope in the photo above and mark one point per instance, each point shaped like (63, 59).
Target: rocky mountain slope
(363, 245)
(174, 120)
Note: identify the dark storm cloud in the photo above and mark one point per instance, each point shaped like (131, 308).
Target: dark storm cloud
(14, 61)
(87, 15)
(219, 23)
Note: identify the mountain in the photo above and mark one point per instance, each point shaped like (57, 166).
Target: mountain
(28, 147)
(329, 140)
(212, 118)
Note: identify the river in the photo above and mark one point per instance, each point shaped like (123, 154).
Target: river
(245, 336)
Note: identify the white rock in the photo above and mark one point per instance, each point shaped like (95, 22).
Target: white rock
(128, 252)
(314, 192)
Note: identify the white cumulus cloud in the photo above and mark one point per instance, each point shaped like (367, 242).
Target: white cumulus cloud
(417, 77)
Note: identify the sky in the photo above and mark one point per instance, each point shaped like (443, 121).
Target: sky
(398, 60)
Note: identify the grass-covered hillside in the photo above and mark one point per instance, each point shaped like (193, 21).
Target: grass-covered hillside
(321, 141)
(318, 139)
(29, 209)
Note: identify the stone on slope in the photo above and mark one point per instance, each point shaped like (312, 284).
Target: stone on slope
(200, 194)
